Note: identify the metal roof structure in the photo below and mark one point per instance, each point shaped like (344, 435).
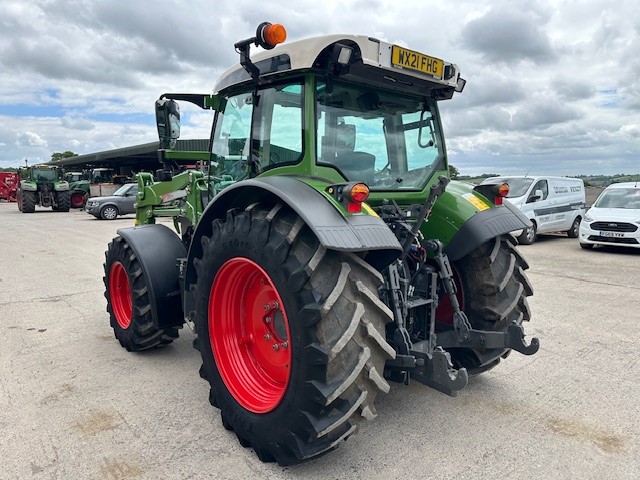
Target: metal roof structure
(136, 157)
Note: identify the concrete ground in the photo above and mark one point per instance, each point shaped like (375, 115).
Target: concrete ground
(75, 405)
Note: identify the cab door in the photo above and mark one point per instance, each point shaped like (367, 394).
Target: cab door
(541, 204)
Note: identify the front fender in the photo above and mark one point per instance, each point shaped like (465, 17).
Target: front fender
(28, 186)
(158, 248)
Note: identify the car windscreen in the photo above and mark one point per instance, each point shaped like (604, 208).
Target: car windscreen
(123, 190)
(628, 198)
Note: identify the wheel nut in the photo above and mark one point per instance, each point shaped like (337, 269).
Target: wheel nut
(275, 305)
(267, 319)
(276, 347)
(267, 336)
(284, 345)
(267, 307)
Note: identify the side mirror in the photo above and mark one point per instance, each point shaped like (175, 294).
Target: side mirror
(168, 122)
(537, 195)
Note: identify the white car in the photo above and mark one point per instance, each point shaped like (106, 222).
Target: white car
(614, 218)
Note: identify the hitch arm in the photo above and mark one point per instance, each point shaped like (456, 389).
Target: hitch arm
(512, 338)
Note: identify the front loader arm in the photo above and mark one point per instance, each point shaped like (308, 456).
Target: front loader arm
(180, 197)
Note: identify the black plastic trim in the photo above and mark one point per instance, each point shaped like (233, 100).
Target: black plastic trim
(484, 226)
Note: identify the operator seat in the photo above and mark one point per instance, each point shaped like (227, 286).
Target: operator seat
(357, 166)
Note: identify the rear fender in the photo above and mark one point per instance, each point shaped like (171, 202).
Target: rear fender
(158, 249)
(463, 219)
(356, 233)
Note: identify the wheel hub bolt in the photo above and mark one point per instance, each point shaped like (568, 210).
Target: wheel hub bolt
(267, 307)
(284, 345)
(275, 305)
(276, 347)
(267, 336)
(267, 319)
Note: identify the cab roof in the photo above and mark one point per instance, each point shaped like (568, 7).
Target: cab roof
(369, 52)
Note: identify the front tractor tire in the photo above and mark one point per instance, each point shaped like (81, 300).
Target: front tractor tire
(494, 293)
(127, 293)
(291, 335)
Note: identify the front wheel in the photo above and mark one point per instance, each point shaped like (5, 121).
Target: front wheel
(528, 235)
(494, 293)
(109, 212)
(292, 336)
(128, 303)
(574, 231)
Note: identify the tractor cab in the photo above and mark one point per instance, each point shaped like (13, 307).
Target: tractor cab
(344, 108)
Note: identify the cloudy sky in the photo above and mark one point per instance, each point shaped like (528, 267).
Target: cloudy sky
(553, 86)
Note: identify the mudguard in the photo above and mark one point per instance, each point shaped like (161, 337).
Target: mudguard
(484, 226)
(158, 248)
(356, 233)
(463, 219)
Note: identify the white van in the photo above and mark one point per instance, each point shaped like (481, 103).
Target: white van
(553, 204)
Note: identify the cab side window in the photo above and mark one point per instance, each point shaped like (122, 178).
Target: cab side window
(541, 187)
(233, 131)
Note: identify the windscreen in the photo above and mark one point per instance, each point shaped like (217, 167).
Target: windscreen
(386, 140)
(619, 198)
(44, 174)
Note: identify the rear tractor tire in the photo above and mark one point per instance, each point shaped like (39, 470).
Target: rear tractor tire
(292, 336)
(28, 202)
(78, 199)
(494, 293)
(127, 293)
(63, 200)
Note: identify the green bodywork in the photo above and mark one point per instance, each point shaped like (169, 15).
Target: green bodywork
(37, 175)
(182, 196)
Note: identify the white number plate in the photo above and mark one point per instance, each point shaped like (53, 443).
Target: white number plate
(612, 234)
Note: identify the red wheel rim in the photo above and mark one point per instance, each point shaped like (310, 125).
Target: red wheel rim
(249, 335)
(77, 200)
(120, 294)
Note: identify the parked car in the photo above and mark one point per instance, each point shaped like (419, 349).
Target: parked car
(120, 203)
(614, 218)
(553, 204)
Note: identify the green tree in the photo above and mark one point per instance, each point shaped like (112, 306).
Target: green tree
(57, 156)
(453, 172)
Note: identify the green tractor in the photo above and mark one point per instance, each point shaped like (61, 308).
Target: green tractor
(79, 183)
(324, 252)
(43, 185)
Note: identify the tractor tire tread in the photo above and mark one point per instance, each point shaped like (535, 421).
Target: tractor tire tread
(344, 352)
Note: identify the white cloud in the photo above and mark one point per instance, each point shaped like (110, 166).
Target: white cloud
(551, 83)
(30, 139)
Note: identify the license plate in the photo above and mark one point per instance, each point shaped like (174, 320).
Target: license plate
(404, 58)
(612, 234)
